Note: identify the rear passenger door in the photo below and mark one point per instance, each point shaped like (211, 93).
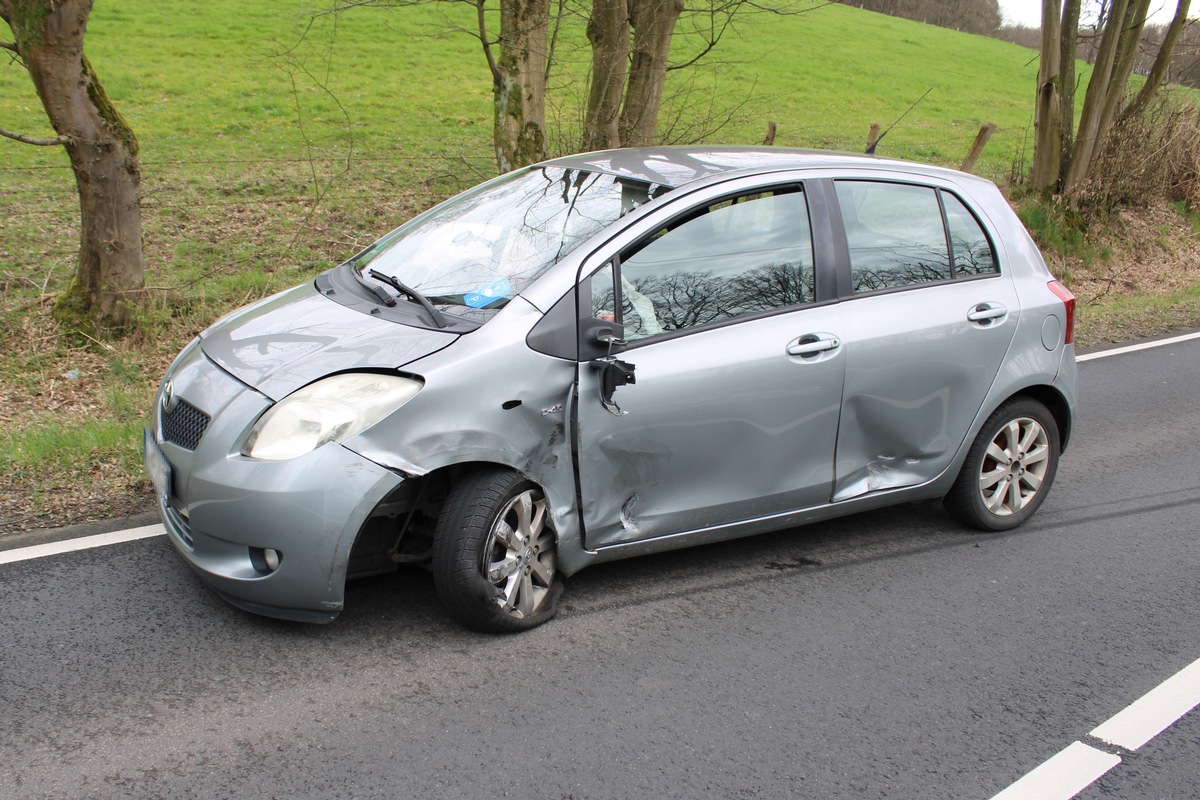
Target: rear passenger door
(929, 315)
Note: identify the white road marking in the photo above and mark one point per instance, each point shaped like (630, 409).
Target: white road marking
(1133, 348)
(1062, 776)
(86, 543)
(1078, 766)
(1156, 710)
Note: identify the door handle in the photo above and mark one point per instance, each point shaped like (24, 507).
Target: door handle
(812, 344)
(987, 313)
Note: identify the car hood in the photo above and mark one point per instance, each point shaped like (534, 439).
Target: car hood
(287, 341)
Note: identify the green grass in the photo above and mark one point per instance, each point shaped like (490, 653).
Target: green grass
(1131, 317)
(1059, 229)
(235, 81)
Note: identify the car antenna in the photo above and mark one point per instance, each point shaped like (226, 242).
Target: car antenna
(871, 147)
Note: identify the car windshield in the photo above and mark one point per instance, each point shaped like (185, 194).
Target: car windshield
(483, 247)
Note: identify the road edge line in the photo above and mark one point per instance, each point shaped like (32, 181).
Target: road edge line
(85, 543)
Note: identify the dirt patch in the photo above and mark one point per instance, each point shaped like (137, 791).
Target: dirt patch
(1145, 254)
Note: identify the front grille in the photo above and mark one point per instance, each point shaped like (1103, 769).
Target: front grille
(184, 425)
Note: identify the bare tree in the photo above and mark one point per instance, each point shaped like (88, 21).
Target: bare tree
(48, 42)
(519, 60)
(1064, 160)
(1162, 61)
(971, 16)
(630, 42)
(1048, 109)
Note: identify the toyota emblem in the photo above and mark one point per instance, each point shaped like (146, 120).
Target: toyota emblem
(168, 398)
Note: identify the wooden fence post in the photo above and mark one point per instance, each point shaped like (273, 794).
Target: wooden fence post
(981, 140)
(872, 138)
(770, 140)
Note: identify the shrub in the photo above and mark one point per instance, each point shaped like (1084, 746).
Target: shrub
(1148, 158)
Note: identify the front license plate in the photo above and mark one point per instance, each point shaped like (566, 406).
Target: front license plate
(156, 464)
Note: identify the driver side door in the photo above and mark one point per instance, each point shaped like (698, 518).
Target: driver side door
(732, 410)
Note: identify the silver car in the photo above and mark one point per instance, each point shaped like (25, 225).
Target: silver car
(612, 354)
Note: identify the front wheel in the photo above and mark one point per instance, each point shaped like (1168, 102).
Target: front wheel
(494, 557)
(1009, 468)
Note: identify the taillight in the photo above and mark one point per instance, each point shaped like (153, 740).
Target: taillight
(1068, 299)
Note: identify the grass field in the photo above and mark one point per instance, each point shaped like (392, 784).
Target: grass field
(275, 144)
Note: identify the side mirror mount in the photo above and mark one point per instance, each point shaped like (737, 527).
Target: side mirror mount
(600, 338)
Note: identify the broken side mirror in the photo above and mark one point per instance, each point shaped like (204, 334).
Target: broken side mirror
(599, 342)
(613, 374)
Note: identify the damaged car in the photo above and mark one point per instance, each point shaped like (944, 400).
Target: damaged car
(613, 354)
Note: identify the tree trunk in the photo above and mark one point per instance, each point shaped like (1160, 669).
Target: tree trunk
(1048, 121)
(1118, 86)
(1068, 47)
(519, 83)
(103, 153)
(653, 25)
(1162, 62)
(1087, 141)
(608, 33)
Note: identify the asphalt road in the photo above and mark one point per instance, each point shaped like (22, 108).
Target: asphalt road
(886, 655)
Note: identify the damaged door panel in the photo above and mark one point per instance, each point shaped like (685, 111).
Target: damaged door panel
(917, 372)
(722, 425)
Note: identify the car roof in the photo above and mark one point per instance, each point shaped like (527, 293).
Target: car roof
(676, 166)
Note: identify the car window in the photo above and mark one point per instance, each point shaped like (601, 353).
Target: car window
(895, 234)
(972, 250)
(732, 258)
(899, 236)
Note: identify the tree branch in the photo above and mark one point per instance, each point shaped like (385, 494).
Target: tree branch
(10, 46)
(50, 142)
(487, 45)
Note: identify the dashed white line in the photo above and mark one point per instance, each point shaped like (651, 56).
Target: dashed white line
(1156, 710)
(1078, 766)
(85, 543)
(1062, 776)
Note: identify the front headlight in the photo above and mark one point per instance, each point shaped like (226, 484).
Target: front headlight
(330, 410)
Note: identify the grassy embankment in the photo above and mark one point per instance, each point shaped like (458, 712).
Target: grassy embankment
(267, 159)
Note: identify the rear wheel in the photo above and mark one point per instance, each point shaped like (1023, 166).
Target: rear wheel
(1009, 468)
(494, 555)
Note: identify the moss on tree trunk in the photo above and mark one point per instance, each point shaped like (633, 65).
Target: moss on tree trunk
(103, 294)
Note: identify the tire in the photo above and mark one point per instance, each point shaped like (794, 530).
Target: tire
(494, 553)
(1009, 469)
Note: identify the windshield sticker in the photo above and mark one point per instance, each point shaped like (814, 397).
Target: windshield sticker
(485, 296)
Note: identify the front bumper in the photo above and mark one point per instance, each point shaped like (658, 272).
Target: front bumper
(221, 507)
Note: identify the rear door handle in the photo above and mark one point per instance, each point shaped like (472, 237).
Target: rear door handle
(813, 344)
(987, 313)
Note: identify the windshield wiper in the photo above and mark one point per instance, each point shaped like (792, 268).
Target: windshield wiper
(378, 291)
(439, 318)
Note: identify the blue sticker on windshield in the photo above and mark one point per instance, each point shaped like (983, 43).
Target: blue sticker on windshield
(485, 296)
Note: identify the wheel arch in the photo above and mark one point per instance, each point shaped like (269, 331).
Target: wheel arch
(1055, 402)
